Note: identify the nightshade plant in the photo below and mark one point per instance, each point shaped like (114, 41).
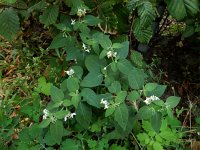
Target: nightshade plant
(105, 98)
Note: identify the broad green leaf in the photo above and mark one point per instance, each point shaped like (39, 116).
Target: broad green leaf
(124, 66)
(56, 94)
(58, 42)
(137, 58)
(49, 140)
(182, 8)
(146, 13)
(121, 115)
(156, 121)
(117, 45)
(120, 97)
(122, 52)
(75, 100)
(154, 89)
(90, 97)
(69, 144)
(56, 131)
(94, 64)
(78, 71)
(43, 86)
(136, 78)
(103, 40)
(50, 15)
(113, 66)
(9, 25)
(142, 34)
(92, 79)
(83, 115)
(115, 87)
(133, 96)
(92, 20)
(110, 110)
(44, 123)
(157, 146)
(38, 6)
(172, 101)
(72, 84)
(61, 114)
(146, 112)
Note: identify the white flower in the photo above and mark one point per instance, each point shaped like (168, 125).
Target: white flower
(73, 21)
(105, 103)
(46, 114)
(70, 72)
(150, 99)
(104, 68)
(69, 115)
(81, 12)
(111, 54)
(86, 48)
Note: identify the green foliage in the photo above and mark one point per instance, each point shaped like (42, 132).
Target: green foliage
(97, 91)
(9, 23)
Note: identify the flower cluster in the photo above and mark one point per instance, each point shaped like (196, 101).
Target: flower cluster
(105, 103)
(46, 114)
(150, 99)
(69, 116)
(111, 54)
(86, 47)
(81, 12)
(70, 72)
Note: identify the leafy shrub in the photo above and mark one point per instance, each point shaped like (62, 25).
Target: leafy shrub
(104, 97)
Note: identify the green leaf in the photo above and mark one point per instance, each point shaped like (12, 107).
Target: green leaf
(154, 89)
(133, 96)
(115, 87)
(157, 146)
(146, 13)
(78, 71)
(48, 139)
(120, 97)
(9, 25)
(44, 123)
(181, 8)
(50, 15)
(124, 66)
(146, 112)
(156, 121)
(43, 86)
(117, 45)
(142, 34)
(56, 94)
(56, 131)
(92, 20)
(69, 144)
(136, 78)
(91, 97)
(41, 5)
(110, 110)
(72, 84)
(103, 40)
(172, 101)
(58, 42)
(121, 115)
(137, 58)
(92, 79)
(61, 114)
(84, 115)
(94, 64)
(122, 52)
